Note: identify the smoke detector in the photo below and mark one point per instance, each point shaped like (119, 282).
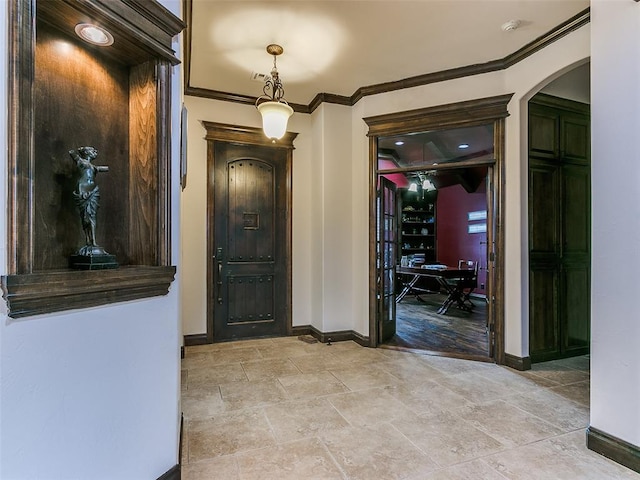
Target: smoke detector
(260, 77)
(510, 25)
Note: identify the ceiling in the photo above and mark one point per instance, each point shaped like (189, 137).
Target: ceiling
(339, 46)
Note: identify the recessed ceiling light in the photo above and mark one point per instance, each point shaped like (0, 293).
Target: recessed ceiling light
(94, 34)
(399, 142)
(462, 146)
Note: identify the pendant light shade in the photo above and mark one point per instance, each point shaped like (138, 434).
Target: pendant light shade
(272, 106)
(275, 116)
(428, 186)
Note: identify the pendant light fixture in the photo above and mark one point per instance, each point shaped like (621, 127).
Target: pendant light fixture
(272, 106)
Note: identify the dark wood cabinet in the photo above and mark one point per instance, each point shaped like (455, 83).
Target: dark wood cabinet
(559, 228)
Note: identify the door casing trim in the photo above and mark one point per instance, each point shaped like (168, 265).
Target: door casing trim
(460, 114)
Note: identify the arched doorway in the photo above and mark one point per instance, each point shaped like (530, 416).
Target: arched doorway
(559, 213)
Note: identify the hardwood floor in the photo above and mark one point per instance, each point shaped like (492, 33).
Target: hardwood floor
(418, 326)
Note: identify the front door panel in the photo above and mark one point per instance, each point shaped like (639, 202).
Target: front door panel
(249, 232)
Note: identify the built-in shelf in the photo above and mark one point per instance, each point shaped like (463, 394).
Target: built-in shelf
(41, 293)
(116, 99)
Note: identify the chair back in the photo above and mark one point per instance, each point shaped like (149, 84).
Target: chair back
(471, 282)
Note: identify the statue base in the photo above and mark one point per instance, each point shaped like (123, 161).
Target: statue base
(93, 262)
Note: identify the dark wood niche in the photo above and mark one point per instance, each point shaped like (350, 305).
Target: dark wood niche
(66, 93)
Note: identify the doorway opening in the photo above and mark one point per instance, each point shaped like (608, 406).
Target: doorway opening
(441, 290)
(559, 221)
(436, 216)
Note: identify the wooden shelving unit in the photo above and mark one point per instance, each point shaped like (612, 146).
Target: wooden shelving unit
(417, 225)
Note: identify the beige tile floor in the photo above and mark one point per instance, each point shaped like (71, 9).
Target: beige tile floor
(286, 409)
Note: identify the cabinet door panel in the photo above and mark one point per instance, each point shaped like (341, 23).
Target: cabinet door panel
(576, 207)
(544, 191)
(576, 307)
(575, 137)
(543, 132)
(543, 311)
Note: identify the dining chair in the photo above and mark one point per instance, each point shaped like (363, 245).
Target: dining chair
(468, 285)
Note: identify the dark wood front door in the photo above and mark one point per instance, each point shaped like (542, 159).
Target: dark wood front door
(249, 240)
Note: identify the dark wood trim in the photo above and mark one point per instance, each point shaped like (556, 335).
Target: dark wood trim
(42, 293)
(448, 166)
(373, 280)
(21, 135)
(475, 112)
(144, 30)
(163, 180)
(180, 443)
(173, 474)
(226, 132)
(565, 28)
(321, 98)
(235, 97)
(467, 113)
(329, 337)
(223, 132)
(426, 79)
(499, 187)
(187, 15)
(565, 104)
(613, 448)
(195, 339)
(517, 363)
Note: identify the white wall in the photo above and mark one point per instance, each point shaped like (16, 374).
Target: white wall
(331, 196)
(92, 393)
(615, 122)
(574, 85)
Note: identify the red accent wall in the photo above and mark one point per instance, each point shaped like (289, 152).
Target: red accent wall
(453, 242)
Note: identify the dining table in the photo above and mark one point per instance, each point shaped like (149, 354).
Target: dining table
(451, 279)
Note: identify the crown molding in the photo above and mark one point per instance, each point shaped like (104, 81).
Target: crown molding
(565, 28)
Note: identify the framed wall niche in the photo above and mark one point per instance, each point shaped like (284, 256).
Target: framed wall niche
(65, 93)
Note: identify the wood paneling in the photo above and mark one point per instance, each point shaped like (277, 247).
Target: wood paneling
(143, 165)
(78, 101)
(142, 30)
